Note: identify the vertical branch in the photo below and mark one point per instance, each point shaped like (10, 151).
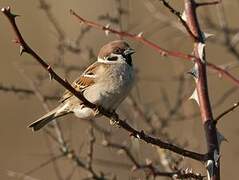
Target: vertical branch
(200, 73)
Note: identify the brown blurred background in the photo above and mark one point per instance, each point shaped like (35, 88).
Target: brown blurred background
(158, 77)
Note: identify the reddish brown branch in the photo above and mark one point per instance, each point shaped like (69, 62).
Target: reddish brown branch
(223, 72)
(138, 37)
(202, 92)
(138, 134)
(163, 52)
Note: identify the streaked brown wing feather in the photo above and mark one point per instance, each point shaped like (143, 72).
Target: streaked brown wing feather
(84, 81)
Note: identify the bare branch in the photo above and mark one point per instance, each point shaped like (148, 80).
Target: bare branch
(229, 110)
(54, 158)
(208, 3)
(149, 165)
(179, 16)
(163, 52)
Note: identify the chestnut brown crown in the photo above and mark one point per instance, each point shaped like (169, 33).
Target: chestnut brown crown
(115, 47)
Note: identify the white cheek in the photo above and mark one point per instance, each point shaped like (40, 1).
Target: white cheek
(120, 59)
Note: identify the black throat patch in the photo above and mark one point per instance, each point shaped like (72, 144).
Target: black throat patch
(128, 59)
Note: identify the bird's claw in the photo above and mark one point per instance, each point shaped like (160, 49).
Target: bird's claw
(114, 118)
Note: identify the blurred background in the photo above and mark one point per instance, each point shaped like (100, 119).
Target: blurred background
(158, 103)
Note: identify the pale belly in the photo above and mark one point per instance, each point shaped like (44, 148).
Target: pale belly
(108, 92)
(111, 91)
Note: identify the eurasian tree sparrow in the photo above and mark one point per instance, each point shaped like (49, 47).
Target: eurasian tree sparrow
(106, 83)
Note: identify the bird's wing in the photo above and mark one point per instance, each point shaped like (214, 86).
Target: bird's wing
(85, 80)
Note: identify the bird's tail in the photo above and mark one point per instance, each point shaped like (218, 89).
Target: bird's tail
(41, 122)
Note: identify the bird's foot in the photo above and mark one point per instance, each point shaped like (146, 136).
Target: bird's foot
(114, 119)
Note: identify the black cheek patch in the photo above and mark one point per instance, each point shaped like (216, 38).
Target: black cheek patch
(112, 58)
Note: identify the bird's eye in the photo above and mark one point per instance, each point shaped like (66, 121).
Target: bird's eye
(117, 51)
(112, 58)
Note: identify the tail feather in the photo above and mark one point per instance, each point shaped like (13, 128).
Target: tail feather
(41, 122)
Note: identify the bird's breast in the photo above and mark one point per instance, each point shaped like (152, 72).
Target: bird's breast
(111, 87)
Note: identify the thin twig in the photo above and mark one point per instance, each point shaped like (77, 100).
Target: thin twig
(179, 16)
(149, 165)
(230, 109)
(54, 158)
(25, 91)
(208, 3)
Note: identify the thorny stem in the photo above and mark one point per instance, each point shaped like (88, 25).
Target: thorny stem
(138, 134)
(213, 166)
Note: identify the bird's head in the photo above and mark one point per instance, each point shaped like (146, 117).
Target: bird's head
(116, 52)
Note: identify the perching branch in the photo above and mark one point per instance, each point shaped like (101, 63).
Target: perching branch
(137, 134)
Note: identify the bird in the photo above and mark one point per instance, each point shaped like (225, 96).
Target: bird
(105, 83)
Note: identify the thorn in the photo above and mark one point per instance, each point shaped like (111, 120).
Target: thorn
(66, 81)
(22, 50)
(71, 12)
(163, 53)
(183, 16)
(148, 161)
(107, 32)
(194, 72)
(194, 96)
(3, 9)
(138, 136)
(134, 168)
(209, 167)
(220, 138)
(16, 41)
(105, 143)
(216, 157)
(49, 70)
(120, 151)
(15, 15)
(140, 34)
(7, 9)
(201, 48)
(206, 35)
(50, 76)
(175, 176)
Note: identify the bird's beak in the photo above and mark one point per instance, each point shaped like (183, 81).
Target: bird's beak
(129, 51)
